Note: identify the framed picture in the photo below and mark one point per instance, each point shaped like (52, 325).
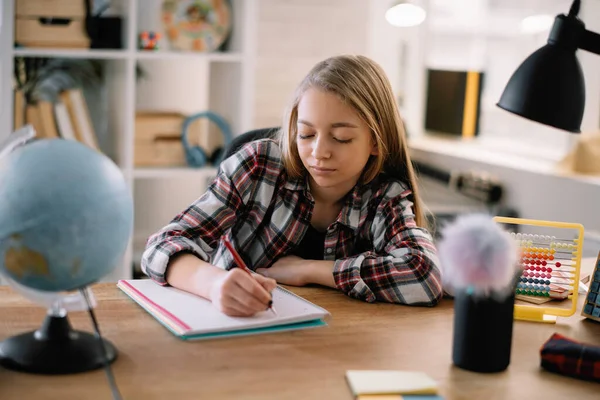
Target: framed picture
(197, 25)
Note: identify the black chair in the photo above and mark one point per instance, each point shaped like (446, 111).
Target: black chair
(248, 137)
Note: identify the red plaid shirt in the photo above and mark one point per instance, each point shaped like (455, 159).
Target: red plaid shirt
(379, 252)
(566, 356)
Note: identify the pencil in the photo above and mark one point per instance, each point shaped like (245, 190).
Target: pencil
(238, 260)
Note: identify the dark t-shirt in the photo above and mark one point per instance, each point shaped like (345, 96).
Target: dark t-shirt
(312, 245)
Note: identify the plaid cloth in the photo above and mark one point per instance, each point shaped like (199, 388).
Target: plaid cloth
(379, 252)
(568, 357)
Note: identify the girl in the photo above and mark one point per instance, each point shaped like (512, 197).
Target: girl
(333, 201)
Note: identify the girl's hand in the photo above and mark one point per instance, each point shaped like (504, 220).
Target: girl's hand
(289, 270)
(238, 294)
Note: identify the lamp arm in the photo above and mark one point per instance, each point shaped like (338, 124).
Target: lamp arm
(574, 10)
(590, 41)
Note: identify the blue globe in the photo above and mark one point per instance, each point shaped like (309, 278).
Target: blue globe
(66, 215)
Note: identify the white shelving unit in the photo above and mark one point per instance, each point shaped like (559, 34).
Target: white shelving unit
(221, 82)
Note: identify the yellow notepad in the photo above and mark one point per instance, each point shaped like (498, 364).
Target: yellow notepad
(390, 382)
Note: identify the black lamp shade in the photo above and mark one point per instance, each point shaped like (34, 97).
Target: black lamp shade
(548, 87)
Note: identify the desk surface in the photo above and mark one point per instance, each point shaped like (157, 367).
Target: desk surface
(309, 364)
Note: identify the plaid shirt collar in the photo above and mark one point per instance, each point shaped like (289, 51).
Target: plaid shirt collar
(350, 214)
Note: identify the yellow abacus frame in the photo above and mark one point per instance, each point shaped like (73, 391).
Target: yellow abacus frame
(541, 313)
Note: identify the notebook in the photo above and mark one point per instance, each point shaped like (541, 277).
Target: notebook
(190, 317)
(366, 384)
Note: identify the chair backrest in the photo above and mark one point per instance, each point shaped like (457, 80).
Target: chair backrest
(248, 137)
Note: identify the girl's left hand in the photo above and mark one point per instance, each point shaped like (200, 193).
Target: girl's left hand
(288, 270)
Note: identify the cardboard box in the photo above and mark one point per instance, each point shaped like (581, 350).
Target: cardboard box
(51, 23)
(50, 8)
(158, 139)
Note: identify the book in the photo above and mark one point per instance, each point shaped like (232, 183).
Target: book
(453, 102)
(81, 122)
(33, 118)
(63, 121)
(19, 110)
(46, 115)
(389, 384)
(191, 317)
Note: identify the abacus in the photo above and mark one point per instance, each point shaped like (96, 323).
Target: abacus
(591, 307)
(550, 262)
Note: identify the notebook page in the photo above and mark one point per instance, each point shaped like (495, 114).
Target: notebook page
(201, 317)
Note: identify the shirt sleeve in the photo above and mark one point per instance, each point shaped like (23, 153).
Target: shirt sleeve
(403, 266)
(198, 229)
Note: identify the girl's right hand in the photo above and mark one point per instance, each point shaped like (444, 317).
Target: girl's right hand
(238, 294)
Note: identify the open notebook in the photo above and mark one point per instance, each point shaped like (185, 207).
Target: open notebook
(191, 317)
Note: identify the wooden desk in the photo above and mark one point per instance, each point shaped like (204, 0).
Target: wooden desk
(309, 364)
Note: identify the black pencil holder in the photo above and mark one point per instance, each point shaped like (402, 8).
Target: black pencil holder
(482, 332)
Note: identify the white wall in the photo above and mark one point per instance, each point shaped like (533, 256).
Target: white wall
(293, 36)
(590, 15)
(401, 53)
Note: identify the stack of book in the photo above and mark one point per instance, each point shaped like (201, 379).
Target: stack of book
(67, 118)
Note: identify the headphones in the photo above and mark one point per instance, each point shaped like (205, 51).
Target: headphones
(196, 156)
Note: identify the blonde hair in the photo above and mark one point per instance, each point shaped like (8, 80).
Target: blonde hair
(362, 84)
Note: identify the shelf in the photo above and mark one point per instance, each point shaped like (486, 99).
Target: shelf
(174, 81)
(71, 53)
(492, 152)
(173, 172)
(177, 55)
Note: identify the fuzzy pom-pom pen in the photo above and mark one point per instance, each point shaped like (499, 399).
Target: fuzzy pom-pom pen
(479, 262)
(478, 256)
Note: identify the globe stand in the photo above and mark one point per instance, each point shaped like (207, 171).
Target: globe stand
(55, 349)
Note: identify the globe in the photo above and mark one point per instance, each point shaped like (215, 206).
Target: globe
(66, 215)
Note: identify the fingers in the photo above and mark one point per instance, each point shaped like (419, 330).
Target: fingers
(240, 294)
(221, 298)
(234, 308)
(268, 283)
(235, 301)
(253, 287)
(250, 302)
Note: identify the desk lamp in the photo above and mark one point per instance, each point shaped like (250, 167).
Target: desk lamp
(548, 87)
